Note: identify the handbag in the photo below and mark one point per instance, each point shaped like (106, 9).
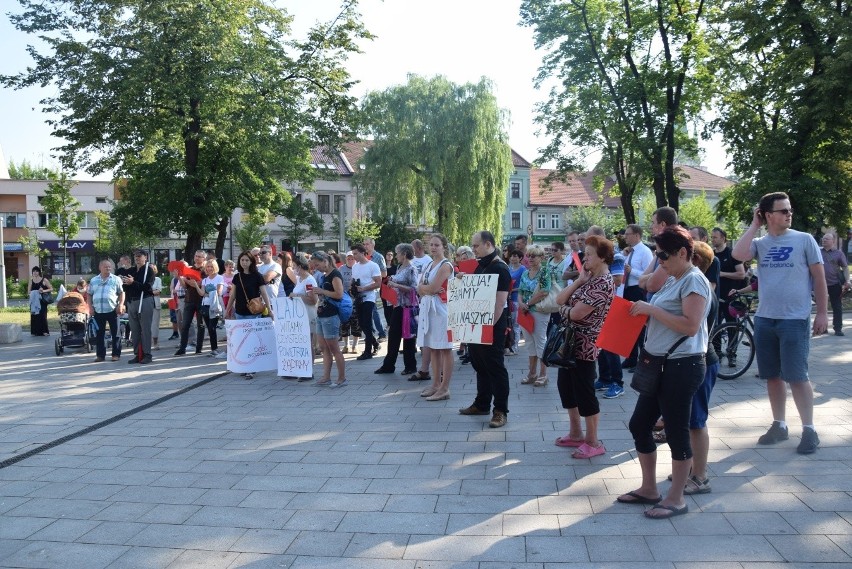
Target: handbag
(255, 305)
(559, 347)
(649, 370)
(216, 308)
(548, 305)
(410, 315)
(47, 298)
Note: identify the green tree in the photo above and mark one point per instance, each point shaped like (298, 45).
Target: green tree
(202, 106)
(26, 171)
(786, 106)
(251, 232)
(629, 76)
(392, 233)
(439, 151)
(697, 211)
(110, 241)
(359, 229)
(31, 244)
(62, 213)
(582, 217)
(303, 220)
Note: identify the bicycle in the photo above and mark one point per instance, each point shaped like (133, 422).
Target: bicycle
(734, 341)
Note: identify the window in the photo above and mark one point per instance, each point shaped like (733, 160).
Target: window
(43, 218)
(516, 190)
(87, 219)
(516, 220)
(100, 200)
(541, 221)
(554, 220)
(14, 220)
(324, 203)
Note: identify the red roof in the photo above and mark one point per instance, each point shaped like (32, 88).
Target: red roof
(692, 178)
(576, 190)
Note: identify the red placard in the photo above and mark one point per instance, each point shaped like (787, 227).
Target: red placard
(389, 294)
(175, 265)
(526, 321)
(578, 264)
(191, 273)
(467, 267)
(620, 330)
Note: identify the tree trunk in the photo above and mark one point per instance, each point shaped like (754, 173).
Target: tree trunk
(672, 190)
(193, 244)
(222, 227)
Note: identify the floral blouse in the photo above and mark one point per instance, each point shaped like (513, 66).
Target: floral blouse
(597, 292)
(529, 286)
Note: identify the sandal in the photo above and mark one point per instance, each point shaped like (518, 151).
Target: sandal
(696, 486)
(567, 441)
(588, 451)
(671, 511)
(541, 381)
(529, 379)
(660, 437)
(420, 376)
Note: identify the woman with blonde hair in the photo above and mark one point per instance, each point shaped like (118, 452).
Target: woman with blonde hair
(533, 288)
(432, 324)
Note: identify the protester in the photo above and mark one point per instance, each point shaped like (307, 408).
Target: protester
(140, 306)
(677, 326)
(421, 259)
(367, 278)
(520, 244)
(105, 297)
(211, 288)
(432, 325)
(463, 253)
(227, 278)
(328, 319)
(492, 378)
(585, 304)
(192, 304)
(305, 283)
(179, 294)
(288, 275)
(156, 289)
(350, 331)
(731, 276)
(836, 279)
(270, 271)
(516, 269)
(638, 260)
(39, 285)
(404, 282)
(379, 259)
(533, 289)
(247, 284)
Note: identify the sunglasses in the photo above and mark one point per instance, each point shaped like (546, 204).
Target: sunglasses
(663, 256)
(782, 211)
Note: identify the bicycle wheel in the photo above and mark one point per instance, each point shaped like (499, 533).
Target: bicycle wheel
(735, 349)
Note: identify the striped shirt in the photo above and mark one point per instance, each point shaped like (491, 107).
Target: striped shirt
(105, 293)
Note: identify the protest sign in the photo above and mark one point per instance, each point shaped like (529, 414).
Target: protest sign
(620, 330)
(293, 337)
(526, 321)
(251, 345)
(470, 308)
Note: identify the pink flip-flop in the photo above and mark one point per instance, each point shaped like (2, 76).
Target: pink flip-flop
(566, 441)
(587, 451)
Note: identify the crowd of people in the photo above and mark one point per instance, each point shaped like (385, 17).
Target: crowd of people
(682, 279)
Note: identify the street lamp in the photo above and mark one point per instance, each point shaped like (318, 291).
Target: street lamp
(2, 264)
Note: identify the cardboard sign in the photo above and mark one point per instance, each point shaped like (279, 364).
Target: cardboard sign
(620, 330)
(526, 321)
(470, 308)
(293, 337)
(251, 345)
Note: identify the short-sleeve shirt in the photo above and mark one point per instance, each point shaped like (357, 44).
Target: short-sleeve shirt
(105, 293)
(638, 259)
(271, 286)
(365, 273)
(727, 264)
(784, 262)
(490, 265)
(661, 338)
(379, 259)
(243, 288)
(420, 263)
(516, 277)
(406, 276)
(835, 262)
(326, 309)
(528, 286)
(209, 285)
(712, 274)
(556, 270)
(597, 292)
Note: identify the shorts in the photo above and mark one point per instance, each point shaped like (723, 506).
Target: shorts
(701, 399)
(351, 328)
(782, 348)
(172, 315)
(329, 326)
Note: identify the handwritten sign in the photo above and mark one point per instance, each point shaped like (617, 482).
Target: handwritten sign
(251, 345)
(470, 308)
(293, 337)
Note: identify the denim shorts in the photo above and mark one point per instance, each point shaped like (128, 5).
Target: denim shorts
(701, 399)
(329, 326)
(782, 348)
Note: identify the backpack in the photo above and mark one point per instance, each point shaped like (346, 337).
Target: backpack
(344, 305)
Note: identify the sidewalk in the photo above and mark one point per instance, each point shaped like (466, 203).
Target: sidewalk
(274, 473)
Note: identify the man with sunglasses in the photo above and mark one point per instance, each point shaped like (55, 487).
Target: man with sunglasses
(789, 263)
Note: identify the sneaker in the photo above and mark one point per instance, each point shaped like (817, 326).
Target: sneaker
(174, 336)
(498, 419)
(601, 386)
(213, 353)
(383, 338)
(732, 361)
(345, 350)
(512, 352)
(613, 391)
(472, 410)
(222, 355)
(809, 442)
(696, 486)
(775, 434)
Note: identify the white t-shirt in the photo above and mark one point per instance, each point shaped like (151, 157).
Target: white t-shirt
(209, 285)
(420, 263)
(272, 286)
(365, 272)
(301, 287)
(638, 259)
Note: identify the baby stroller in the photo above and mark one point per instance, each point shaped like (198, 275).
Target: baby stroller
(74, 323)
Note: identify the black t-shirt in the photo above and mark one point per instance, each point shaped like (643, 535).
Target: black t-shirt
(327, 309)
(711, 357)
(712, 275)
(245, 287)
(727, 264)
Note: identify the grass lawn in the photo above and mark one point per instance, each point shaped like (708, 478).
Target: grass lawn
(21, 315)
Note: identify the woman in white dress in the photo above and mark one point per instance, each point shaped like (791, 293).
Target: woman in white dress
(432, 324)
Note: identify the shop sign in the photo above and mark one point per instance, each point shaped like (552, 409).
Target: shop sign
(73, 245)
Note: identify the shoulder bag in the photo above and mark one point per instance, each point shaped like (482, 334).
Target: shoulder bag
(649, 370)
(255, 305)
(559, 347)
(548, 304)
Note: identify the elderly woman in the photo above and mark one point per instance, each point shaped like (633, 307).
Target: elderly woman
(432, 324)
(534, 287)
(212, 286)
(404, 281)
(585, 304)
(328, 318)
(463, 253)
(677, 328)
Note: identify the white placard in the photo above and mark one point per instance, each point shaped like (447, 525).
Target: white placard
(251, 345)
(293, 337)
(470, 308)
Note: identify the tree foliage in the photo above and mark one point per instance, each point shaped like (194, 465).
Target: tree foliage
(439, 151)
(697, 211)
(629, 76)
(582, 217)
(26, 171)
(251, 232)
(786, 109)
(203, 105)
(302, 220)
(62, 212)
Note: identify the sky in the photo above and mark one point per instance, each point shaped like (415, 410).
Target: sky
(463, 40)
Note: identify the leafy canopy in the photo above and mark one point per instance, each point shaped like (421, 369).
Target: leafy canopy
(439, 152)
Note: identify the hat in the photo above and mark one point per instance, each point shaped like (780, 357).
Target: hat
(350, 254)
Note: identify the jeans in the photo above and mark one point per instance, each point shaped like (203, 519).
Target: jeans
(246, 316)
(835, 295)
(210, 323)
(190, 310)
(377, 322)
(140, 325)
(409, 346)
(492, 378)
(365, 318)
(609, 368)
(102, 319)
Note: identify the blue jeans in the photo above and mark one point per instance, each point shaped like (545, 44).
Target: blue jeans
(609, 368)
(246, 316)
(377, 322)
(104, 318)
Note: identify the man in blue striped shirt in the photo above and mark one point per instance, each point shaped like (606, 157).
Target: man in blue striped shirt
(106, 300)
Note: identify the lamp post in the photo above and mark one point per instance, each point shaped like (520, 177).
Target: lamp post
(2, 265)
(341, 212)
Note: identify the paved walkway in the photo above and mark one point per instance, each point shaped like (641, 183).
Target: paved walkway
(273, 473)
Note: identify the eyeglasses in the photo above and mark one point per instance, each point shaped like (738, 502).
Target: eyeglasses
(664, 256)
(784, 211)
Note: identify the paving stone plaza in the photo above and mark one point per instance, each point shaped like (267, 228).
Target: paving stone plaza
(275, 473)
